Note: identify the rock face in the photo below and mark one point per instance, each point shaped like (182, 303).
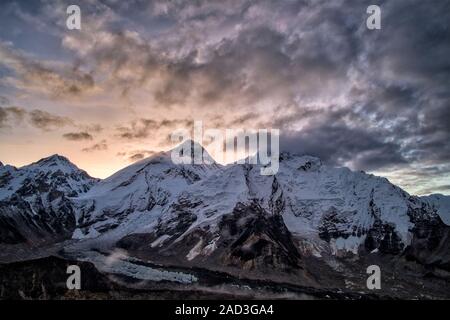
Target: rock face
(230, 216)
(36, 200)
(257, 240)
(247, 239)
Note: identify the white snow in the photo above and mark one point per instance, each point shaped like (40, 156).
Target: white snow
(441, 204)
(159, 242)
(195, 251)
(120, 263)
(139, 197)
(211, 247)
(308, 189)
(75, 180)
(350, 244)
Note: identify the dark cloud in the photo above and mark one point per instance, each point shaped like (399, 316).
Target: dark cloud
(244, 119)
(100, 146)
(47, 121)
(369, 99)
(142, 128)
(96, 128)
(136, 155)
(354, 147)
(38, 118)
(32, 75)
(8, 114)
(3, 117)
(411, 58)
(77, 136)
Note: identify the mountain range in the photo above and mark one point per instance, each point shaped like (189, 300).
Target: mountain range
(310, 225)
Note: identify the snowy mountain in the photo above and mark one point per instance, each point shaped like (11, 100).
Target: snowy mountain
(441, 204)
(238, 217)
(35, 200)
(212, 215)
(132, 199)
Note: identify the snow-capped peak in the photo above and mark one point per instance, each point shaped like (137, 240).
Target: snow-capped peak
(149, 185)
(330, 206)
(53, 163)
(198, 154)
(53, 173)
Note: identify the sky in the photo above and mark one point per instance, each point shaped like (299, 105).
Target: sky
(112, 93)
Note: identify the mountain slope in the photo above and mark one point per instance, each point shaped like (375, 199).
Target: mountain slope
(223, 217)
(134, 198)
(323, 210)
(35, 200)
(441, 204)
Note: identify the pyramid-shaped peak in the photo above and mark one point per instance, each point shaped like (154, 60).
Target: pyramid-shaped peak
(53, 163)
(55, 159)
(190, 143)
(194, 150)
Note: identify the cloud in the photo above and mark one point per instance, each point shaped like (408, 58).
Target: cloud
(140, 154)
(37, 118)
(100, 146)
(45, 78)
(95, 127)
(77, 136)
(136, 155)
(142, 128)
(47, 121)
(8, 114)
(352, 147)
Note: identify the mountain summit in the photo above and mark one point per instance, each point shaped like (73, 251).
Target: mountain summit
(198, 154)
(35, 200)
(224, 217)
